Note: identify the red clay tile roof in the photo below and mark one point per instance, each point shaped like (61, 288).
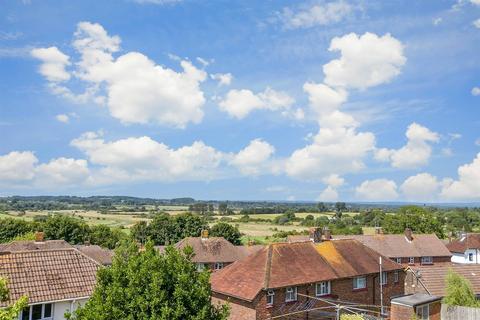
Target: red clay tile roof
(470, 241)
(213, 249)
(97, 253)
(396, 245)
(32, 245)
(433, 277)
(48, 275)
(288, 264)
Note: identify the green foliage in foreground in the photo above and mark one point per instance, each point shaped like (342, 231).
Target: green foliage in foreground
(149, 285)
(459, 291)
(10, 312)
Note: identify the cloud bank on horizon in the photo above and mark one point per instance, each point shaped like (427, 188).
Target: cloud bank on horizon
(340, 128)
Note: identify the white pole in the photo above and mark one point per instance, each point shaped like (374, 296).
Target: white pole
(381, 287)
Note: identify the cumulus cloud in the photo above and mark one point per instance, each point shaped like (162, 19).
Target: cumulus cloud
(421, 187)
(255, 159)
(467, 187)
(239, 103)
(415, 153)
(365, 61)
(136, 89)
(476, 23)
(17, 166)
(329, 194)
(377, 190)
(319, 14)
(64, 171)
(54, 63)
(224, 79)
(476, 91)
(62, 118)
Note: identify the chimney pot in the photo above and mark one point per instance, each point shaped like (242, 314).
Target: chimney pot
(39, 236)
(204, 234)
(408, 234)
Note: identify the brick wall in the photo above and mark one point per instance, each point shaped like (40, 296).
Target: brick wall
(406, 261)
(340, 289)
(398, 312)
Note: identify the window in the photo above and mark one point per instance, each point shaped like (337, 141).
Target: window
(200, 266)
(384, 278)
(399, 260)
(470, 257)
(427, 260)
(395, 276)
(359, 283)
(218, 265)
(411, 260)
(37, 312)
(270, 295)
(322, 288)
(291, 294)
(423, 312)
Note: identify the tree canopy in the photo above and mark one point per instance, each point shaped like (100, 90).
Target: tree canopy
(459, 291)
(144, 284)
(229, 232)
(416, 218)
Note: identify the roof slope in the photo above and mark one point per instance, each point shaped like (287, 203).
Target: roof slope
(48, 275)
(433, 277)
(397, 245)
(469, 241)
(97, 253)
(288, 264)
(29, 245)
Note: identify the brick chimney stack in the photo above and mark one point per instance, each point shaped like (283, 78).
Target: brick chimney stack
(408, 234)
(315, 235)
(204, 235)
(378, 230)
(39, 236)
(327, 234)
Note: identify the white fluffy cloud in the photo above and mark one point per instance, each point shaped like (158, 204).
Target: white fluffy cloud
(476, 91)
(53, 64)
(63, 171)
(377, 190)
(255, 159)
(476, 2)
(136, 89)
(239, 103)
(421, 187)
(329, 194)
(62, 118)
(415, 153)
(476, 23)
(365, 61)
(467, 187)
(317, 14)
(17, 166)
(224, 79)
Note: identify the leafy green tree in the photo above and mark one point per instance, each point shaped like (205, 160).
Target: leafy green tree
(416, 218)
(11, 312)
(149, 285)
(188, 225)
(105, 236)
(459, 291)
(140, 231)
(222, 208)
(322, 207)
(67, 228)
(11, 228)
(229, 232)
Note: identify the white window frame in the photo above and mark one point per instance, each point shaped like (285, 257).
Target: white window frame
(384, 278)
(200, 266)
(30, 308)
(291, 294)
(427, 260)
(356, 283)
(270, 297)
(396, 276)
(218, 265)
(411, 260)
(420, 312)
(470, 256)
(398, 260)
(322, 288)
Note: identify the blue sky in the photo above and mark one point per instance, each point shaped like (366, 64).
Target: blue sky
(278, 100)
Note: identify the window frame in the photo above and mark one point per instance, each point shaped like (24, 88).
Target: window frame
(384, 278)
(396, 276)
(355, 283)
(422, 307)
(218, 266)
(290, 291)
(398, 260)
(322, 285)
(470, 256)
(411, 260)
(429, 258)
(270, 295)
(43, 317)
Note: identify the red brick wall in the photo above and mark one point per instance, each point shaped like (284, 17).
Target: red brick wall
(341, 289)
(405, 261)
(398, 312)
(435, 310)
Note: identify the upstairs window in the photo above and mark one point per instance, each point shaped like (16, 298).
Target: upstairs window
(270, 296)
(399, 260)
(384, 278)
(396, 276)
(427, 260)
(411, 260)
(359, 283)
(470, 257)
(322, 288)
(291, 294)
(37, 312)
(218, 265)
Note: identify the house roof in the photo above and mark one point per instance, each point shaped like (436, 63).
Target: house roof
(97, 253)
(48, 275)
(214, 249)
(33, 245)
(469, 241)
(397, 245)
(416, 299)
(288, 264)
(433, 277)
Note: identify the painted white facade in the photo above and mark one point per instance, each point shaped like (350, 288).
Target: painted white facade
(469, 256)
(59, 309)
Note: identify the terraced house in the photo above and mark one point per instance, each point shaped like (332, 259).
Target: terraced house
(283, 278)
